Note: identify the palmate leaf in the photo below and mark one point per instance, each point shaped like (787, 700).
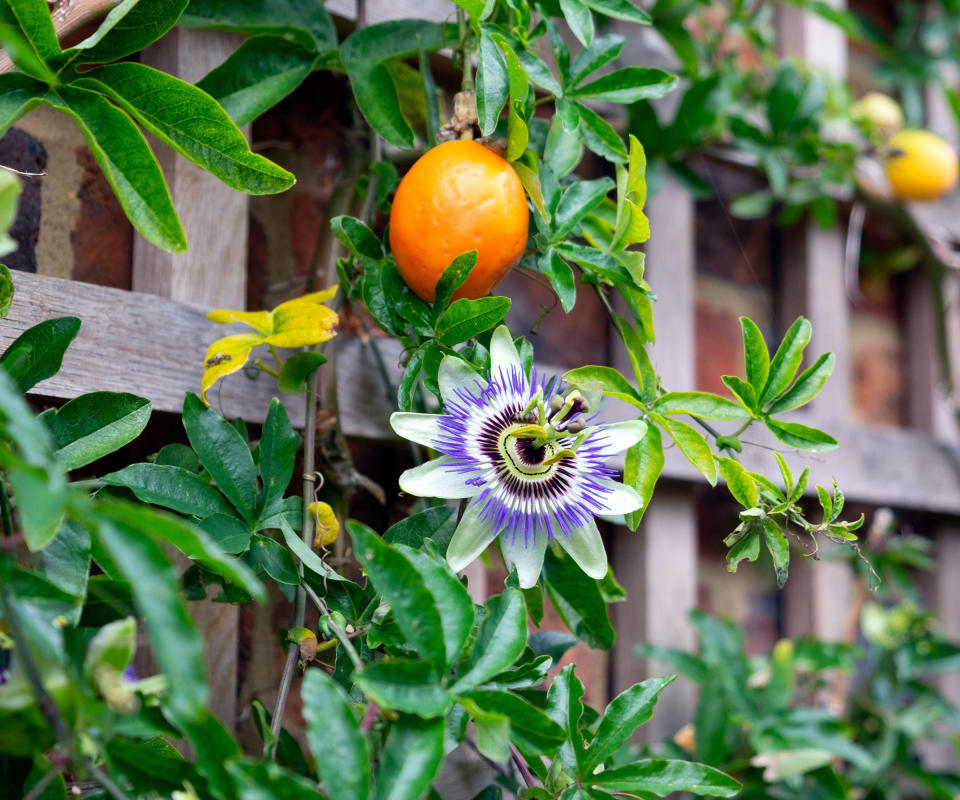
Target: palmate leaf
(189, 120)
(127, 163)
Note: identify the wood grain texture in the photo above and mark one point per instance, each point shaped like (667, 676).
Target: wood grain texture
(812, 285)
(658, 564)
(149, 345)
(214, 216)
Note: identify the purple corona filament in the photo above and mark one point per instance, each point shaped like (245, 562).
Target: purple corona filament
(521, 495)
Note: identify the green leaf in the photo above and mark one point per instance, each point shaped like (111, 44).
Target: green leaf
(171, 487)
(743, 391)
(308, 24)
(578, 200)
(807, 386)
(414, 608)
(779, 549)
(297, 369)
(662, 777)
(223, 453)
(174, 640)
(190, 121)
(800, 436)
(363, 53)
(37, 353)
(564, 707)
(226, 530)
(411, 374)
(129, 166)
(192, 541)
(264, 779)
(493, 83)
(279, 443)
(738, 480)
(92, 425)
(434, 523)
(686, 664)
(9, 192)
(610, 381)
(31, 19)
(639, 359)
(410, 759)
(449, 594)
(693, 446)
(39, 605)
(518, 134)
(701, 404)
(578, 600)
(620, 9)
(140, 25)
(40, 495)
(642, 467)
(748, 547)
(451, 280)
(336, 740)
(752, 206)
(625, 713)
(561, 277)
(756, 357)
(273, 558)
(530, 727)
(18, 95)
(464, 319)
(628, 85)
(786, 361)
(501, 640)
(578, 17)
(113, 646)
(257, 76)
(600, 136)
(65, 562)
(408, 686)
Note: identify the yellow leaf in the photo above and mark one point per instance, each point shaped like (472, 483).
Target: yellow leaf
(328, 528)
(226, 356)
(261, 321)
(299, 325)
(310, 299)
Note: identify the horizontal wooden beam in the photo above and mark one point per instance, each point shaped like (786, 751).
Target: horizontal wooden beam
(155, 347)
(133, 342)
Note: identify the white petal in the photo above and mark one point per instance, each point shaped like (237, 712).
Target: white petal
(470, 539)
(437, 479)
(455, 374)
(620, 499)
(420, 428)
(586, 548)
(503, 354)
(618, 436)
(527, 559)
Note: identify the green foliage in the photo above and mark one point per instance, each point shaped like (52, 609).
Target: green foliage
(107, 102)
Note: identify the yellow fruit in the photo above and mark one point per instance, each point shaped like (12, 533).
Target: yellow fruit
(921, 165)
(458, 197)
(881, 110)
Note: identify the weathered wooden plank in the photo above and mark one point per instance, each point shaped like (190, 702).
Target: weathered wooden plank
(129, 341)
(658, 564)
(214, 216)
(812, 285)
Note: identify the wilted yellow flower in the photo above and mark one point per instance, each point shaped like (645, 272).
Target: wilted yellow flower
(300, 322)
(328, 528)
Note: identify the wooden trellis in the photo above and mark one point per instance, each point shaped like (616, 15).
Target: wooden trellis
(152, 341)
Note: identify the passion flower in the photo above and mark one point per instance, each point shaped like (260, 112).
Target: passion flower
(531, 458)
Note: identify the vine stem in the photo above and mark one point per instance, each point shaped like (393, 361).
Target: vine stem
(524, 768)
(466, 82)
(6, 518)
(41, 784)
(300, 602)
